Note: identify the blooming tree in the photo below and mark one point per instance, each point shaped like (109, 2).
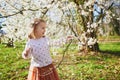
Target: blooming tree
(81, 18)
(92, 14)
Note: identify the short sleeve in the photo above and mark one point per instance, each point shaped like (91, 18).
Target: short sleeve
(48, 40)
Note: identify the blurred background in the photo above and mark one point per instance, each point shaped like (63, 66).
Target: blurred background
(93, 54)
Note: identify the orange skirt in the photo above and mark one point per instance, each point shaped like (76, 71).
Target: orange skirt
(43, 73)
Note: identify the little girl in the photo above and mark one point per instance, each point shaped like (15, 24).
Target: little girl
(37, 48)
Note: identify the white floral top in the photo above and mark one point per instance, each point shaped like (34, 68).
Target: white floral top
(40, 54)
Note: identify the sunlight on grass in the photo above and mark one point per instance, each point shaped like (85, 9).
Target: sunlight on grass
(74, 67)
(110, 46)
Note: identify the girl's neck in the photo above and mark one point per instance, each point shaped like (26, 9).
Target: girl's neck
(39, 37)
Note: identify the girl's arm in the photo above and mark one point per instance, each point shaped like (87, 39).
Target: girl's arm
(59, 42)
(27, 51)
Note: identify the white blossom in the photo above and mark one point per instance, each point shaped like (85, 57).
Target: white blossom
(90, 10)
(118, 18)
(92, 41)
(94, 25)
(84, 13)
(88, 30)
(88, 26)
(5, 30)
(80, 45)
(54, 16)
(88, 3)
(100, 31)
(18, 26)
(101, 1)
(113, 15)
(107, 19)
(91, 30)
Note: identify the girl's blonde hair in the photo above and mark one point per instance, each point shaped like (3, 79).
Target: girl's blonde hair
(34, 26)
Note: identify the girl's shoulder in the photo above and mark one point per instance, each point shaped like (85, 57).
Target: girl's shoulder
(28, 41)
(32, 41)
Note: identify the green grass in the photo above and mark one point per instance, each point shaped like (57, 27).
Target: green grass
(12, 66)
(111, 48)
(114, 47)
(97, 66)
(109, 37)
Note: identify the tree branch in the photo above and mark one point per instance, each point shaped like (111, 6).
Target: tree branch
(103, 14)
(11, 5)
(97, 11)
(21, 12)
(110, 5)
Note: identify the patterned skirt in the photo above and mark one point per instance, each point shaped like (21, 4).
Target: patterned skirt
(43, 73)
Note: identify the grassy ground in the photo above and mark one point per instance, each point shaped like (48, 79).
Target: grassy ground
(109, 38)
(95, 66)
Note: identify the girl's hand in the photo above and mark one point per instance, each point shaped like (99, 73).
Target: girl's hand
(28, 50)
(70, 37)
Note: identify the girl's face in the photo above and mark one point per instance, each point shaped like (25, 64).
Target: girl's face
(40, 30)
